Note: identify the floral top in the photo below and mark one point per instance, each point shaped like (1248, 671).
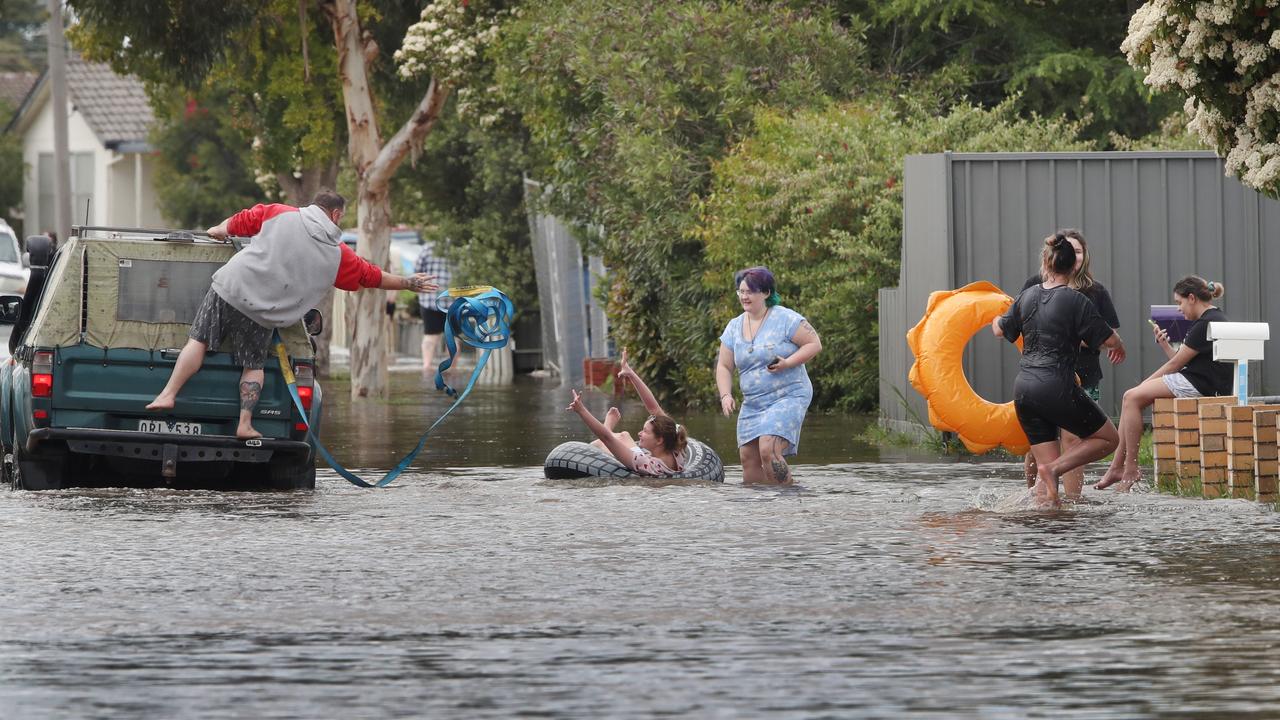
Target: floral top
(650, 466)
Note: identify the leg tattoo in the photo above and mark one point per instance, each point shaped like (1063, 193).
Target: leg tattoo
(781, 473)
(249, 394)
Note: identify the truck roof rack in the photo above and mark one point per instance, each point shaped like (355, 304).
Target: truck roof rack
(128, 233)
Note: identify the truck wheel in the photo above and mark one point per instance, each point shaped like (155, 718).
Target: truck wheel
(7, 471)
(292, 474)
(45, 472)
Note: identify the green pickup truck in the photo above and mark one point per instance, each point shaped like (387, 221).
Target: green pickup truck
(94, 339)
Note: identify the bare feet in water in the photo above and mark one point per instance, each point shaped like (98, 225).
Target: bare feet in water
(1109, 478)
(1127, 482)
(1046, 489)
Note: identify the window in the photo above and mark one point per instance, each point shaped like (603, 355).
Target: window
(162, 291)
(46, 201)
(81, 189)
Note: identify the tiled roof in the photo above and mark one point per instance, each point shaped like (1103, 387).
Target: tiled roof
(14, 86)
(115, 106)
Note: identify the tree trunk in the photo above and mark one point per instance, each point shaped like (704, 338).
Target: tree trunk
(375, 165)
(364, 316)
(298, 191)
(364, 320)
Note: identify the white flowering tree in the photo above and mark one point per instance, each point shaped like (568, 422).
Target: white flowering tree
(446, 45)
(1224, 56)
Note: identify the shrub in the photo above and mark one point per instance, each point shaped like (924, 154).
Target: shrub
(817, 196)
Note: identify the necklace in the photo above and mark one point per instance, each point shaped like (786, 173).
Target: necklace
(758, 326)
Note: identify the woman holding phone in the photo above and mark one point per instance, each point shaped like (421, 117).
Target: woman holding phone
(1189, 372)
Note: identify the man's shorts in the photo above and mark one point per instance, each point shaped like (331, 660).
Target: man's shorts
(226, 329)
(432, 321)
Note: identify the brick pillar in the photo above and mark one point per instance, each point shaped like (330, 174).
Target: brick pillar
(1264, 456)
(1240, 451)
(1164, 445)
(1211, 449)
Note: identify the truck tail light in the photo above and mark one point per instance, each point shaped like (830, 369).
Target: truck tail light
(305, 375)
(304, 394)
(42, 374)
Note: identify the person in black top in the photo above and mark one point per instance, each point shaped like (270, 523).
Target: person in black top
(1088, 364)
(1053, 320)
(1189, 372)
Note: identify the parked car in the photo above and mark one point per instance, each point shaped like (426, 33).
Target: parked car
(406, 243)
(13, 269)
(94, 339)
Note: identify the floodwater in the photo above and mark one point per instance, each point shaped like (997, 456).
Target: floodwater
(883, 586)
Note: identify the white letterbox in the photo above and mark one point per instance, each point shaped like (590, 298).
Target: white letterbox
(1239, 342)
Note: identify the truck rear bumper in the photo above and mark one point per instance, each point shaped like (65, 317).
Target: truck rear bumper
(167, 449)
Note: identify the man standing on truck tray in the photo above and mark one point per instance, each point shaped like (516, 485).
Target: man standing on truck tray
(295, 256)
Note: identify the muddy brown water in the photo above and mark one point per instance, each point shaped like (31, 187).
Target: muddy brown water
(888, 584)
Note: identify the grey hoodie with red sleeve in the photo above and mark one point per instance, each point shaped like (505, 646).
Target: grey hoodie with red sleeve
(295, 257)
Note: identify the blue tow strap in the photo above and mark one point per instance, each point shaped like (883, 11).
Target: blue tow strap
(479, 314)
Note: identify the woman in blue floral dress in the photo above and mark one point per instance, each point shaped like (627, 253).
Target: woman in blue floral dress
(769, 345)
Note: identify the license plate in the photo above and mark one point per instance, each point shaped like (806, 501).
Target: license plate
(170, 428)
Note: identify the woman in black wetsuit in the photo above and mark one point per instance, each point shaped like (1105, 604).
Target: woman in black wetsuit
(1190, 372)
(1053, 320)
(1088, 362)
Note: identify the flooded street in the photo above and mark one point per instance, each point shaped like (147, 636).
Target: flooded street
(888, 584)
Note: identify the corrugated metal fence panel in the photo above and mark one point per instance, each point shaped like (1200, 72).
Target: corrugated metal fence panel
(561, 292)
(893, 355)
(1149, 218)
(926, 236)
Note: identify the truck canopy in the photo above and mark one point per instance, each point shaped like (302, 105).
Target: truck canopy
(132, 293)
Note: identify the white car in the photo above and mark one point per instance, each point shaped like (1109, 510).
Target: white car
(13, 271)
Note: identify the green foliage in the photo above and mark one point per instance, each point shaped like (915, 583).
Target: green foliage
(202, 173)
(291, 106)
(176, 41)
(466, 194)
(628, 103)
(13, 171)
(1171, 135)
(285, 107)
(22, 44)
(1058, 57)
(816, 196)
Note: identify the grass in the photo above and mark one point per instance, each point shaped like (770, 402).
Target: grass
(877, 434)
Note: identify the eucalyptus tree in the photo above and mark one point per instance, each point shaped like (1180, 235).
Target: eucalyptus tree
(293, 91)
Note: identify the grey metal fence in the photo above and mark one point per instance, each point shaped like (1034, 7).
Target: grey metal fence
(1149, 218)
(574, 325)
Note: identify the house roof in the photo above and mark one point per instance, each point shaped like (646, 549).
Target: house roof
(114, 106)
(15, 85)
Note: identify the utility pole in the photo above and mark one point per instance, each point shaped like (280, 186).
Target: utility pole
(58, 85)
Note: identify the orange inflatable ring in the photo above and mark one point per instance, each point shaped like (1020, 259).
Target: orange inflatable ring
(937, 341)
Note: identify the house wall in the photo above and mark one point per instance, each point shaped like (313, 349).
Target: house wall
(115, 189)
